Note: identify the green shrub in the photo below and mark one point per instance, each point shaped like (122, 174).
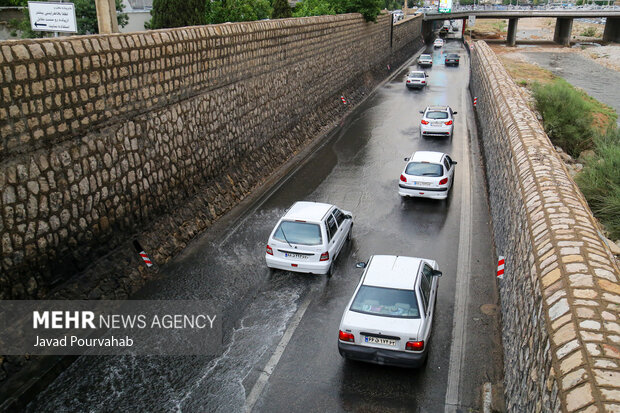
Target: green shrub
(588, 32)
(567, 116)
(600, 182)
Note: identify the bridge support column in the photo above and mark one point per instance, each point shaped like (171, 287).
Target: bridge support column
(563, 29)
(511, 38)
(427, 29)
(612, 30)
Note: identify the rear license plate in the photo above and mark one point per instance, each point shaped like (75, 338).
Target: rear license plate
(436, 123)
(421, 183)
(378, 340)
(299, 256)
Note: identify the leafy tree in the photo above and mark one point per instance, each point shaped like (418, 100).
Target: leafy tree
(222, 11)
(281, 9)
(370, 9)
(85, 13)
(176, 13)
(314, 8)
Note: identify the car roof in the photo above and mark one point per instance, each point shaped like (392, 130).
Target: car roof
(392, 271)
(308, 211)
(444, 108)
(426, 156)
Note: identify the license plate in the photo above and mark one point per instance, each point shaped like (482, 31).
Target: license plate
(378, 340)
(436, 123)
(421, 183)
(299, 256)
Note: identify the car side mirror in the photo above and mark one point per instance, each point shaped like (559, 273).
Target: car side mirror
(454, 162)
(436, 273)
(422, 112)
(347, 216)
(360, 265)
(454, 113)
(406, 159)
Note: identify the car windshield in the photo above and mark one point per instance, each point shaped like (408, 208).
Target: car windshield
(425, 57)
(453, 56)
(436, 115)
(417, 75)
(387, 302)
(424, 169)
(296, 232)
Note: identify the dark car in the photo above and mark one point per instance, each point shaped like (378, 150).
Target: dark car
(452, 59)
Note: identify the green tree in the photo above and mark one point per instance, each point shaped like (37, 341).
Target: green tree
(222, 11)
(176, 13)
(370, 9)
(85, 13)
(314, 8)
(281, 9)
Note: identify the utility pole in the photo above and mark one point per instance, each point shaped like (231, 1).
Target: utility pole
(106, 16)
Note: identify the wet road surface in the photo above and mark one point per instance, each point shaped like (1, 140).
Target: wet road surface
(280, 351)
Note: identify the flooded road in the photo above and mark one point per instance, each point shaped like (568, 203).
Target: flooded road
(280, 330)
(597, 81)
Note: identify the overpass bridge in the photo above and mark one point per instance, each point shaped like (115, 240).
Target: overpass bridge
(563, 26)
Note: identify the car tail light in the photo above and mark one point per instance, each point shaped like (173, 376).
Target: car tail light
(457, 60)
(343, 336)
(324, 256)
(408, 81)
(423, 81)
(443, 181)
(403, 178)
(415, 345)
(269, 250)
(424, 122)
(448, 122)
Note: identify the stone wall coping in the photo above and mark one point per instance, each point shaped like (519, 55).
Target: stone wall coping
(573, 267)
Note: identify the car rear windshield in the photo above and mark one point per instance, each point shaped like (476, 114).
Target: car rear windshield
(453, 56)
(437, 115)
(416, 75)
(425, 57)
(389, 302)
(424, 169)
(296, 232)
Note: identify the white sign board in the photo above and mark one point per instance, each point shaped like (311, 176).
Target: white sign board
(52, 17)
(472, 20)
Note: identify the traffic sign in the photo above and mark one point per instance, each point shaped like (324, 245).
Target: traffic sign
(52, 17)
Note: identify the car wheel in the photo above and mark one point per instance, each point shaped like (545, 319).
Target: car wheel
(330, 270)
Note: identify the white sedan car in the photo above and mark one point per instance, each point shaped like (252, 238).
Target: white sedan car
(438, 43)
(437, 121)
(388, 320)
(308, 238)
(427, 175)
(416, 79)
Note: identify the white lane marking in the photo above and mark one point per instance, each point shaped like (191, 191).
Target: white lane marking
(461, 297)
(260, 384)
(487, 397)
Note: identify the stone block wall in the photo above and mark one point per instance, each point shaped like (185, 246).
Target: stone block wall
(560, 295)
(102, 135)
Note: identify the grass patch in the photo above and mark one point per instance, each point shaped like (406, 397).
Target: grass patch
(567, 117)
(600, 182)
(588, 32)
(526, 73)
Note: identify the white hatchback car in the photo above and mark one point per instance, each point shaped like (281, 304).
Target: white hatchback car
(437, 121)
(427, 175)
(438, 43)
(308, 238)
(388, 320)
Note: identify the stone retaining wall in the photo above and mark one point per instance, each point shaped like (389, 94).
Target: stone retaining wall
(158, 133)
(561, 292)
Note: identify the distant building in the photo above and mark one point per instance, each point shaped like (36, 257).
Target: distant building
(139, 12)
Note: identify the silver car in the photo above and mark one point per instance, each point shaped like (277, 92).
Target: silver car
(437, 121)
(425, 60)
(416, 79)
(427, 175)
(388, 321)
